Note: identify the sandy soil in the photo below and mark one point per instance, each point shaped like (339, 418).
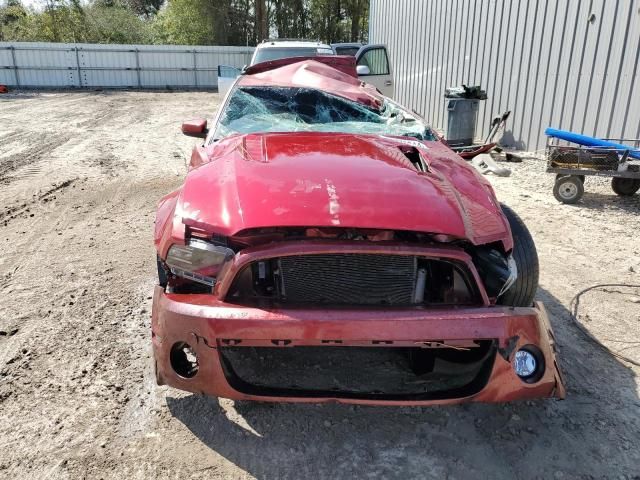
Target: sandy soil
(80, 175)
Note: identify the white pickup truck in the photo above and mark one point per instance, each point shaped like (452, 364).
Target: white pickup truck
(372, 61)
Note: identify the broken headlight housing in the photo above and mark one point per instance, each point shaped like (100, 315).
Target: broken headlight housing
(199, 261)
(497, 270)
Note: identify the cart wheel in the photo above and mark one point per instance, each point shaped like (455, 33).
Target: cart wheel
(625, 187)
(560, 175)
(568, 189)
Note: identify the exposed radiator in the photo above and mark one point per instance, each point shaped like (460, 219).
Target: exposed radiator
(348, 278)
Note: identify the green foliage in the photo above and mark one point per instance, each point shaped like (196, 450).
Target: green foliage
(339, 20)
(62, 21)
(115, 25)
(11, 15)
(145, 8)
(290, 19)
(184, 22)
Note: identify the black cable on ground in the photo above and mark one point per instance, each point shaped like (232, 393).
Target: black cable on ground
(575, 303)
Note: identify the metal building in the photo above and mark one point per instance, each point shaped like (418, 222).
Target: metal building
(571, 64)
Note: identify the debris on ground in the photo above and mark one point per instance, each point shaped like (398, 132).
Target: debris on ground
(485, 164)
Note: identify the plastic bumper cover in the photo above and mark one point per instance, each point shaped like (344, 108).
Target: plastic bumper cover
(207, 325)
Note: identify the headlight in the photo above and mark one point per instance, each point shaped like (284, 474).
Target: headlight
(199, 261)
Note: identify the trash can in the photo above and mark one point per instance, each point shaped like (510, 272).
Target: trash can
(462, 115)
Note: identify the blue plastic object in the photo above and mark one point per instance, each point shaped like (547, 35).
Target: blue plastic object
(591, 141)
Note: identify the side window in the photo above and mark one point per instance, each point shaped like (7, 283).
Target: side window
(376, 60)
(225, 71)
(347, 51)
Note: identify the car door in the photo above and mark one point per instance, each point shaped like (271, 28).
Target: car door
(226, 76)
(374, 67)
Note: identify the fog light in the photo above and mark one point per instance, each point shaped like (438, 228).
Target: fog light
(525, 364)
(184, 360)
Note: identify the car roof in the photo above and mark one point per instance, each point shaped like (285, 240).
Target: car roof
(333, 74)
(292, 44)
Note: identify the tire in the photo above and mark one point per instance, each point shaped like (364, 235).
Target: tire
(162, 273)
(625, 187)
(568, 189)
(523, 291)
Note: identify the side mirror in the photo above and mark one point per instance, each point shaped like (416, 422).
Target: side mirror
(363, 70)
(195, 128)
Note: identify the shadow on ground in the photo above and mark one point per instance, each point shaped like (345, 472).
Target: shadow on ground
(599, 201)
(591, 434)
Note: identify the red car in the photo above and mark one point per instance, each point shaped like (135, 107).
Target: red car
(326, 246)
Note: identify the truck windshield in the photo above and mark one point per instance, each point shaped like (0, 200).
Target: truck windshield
(291, 109)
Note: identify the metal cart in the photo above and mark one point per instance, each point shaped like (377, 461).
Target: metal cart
(572, 163)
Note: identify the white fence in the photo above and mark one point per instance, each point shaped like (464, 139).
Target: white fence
(83, 65)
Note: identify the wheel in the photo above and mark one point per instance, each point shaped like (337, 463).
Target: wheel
(568, 189)
(162, 273)
(560, 175)
(524, 253)
(625, 187)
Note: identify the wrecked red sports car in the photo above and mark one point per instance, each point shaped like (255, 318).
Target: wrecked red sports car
(326, 246)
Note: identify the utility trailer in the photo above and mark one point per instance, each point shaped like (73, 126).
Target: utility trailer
(615, 158)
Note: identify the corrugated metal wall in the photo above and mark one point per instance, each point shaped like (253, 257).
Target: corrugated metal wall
(571, 64)
(34, 64)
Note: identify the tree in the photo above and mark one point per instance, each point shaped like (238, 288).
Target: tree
(115, 25)
(143, 8)
(69, 21)
(358, 13)
(11, 16)
(185, 22)
(339, 20)
(290, 19)
(261, 20)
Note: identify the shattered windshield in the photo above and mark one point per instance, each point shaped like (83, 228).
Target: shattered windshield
(287, 109)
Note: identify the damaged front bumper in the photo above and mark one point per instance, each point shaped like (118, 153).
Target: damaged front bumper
(209, 328)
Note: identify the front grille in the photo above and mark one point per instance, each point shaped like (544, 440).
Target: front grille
(364, 279)
(391, 373)
(356, 279)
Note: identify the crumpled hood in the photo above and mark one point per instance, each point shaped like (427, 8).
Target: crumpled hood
(339, 180)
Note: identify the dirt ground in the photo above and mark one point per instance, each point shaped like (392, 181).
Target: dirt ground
(80, 175)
